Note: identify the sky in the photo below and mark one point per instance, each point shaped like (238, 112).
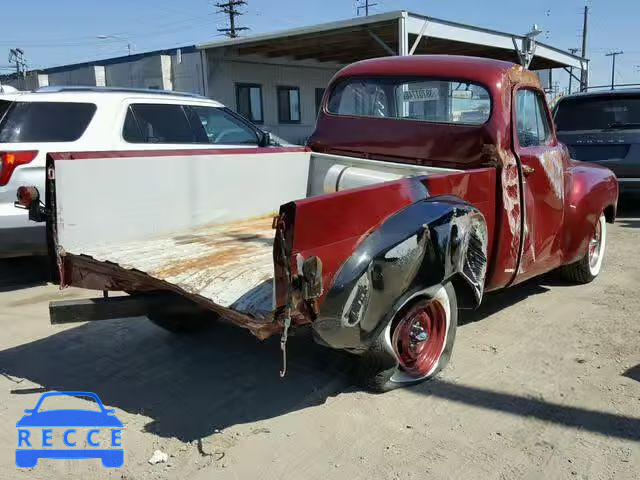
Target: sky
(58, 32)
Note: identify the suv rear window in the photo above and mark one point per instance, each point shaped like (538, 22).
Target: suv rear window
(4, 105)
(598, 113)
(422, 99)
(45, 122)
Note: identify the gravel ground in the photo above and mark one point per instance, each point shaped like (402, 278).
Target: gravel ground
(544, 383)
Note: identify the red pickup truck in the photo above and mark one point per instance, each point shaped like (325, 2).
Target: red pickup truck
(429, 181)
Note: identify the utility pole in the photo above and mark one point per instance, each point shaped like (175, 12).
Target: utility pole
(613, 65)
(365, 7)
(573, 52)
(230, 8)
(584, 77)
(16, 55)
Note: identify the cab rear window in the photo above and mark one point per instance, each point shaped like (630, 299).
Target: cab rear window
(425, 100)
(45, 122)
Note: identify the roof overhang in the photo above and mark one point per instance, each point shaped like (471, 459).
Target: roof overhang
(394, 33)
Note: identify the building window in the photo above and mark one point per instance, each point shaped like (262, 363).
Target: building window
(249, 101)
(288, 104)
(319, 95)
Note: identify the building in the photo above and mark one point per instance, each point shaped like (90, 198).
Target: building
(278, 79)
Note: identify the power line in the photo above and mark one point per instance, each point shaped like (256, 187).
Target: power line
(16, 56)
(80, 41)
(230, 9)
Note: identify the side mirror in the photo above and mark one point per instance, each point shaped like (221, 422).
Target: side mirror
(265, 141)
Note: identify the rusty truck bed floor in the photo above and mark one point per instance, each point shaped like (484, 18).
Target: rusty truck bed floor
(229, 264)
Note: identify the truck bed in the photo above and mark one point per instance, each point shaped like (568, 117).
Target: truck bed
(229, 264)
(195, 222)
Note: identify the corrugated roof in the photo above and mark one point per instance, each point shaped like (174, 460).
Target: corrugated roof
(359, 38)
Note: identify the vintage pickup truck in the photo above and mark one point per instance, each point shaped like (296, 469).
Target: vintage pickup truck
(429, 181)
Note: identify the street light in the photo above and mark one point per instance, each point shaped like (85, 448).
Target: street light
(529, 45)
(115, 37)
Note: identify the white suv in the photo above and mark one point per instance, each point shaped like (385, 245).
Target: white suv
(60, 119)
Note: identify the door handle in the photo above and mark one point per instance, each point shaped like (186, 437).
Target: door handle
(527, 170)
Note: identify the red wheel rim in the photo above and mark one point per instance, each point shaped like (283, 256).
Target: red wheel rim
(419, 337)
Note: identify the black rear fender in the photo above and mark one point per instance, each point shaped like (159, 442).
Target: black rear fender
(421, 246)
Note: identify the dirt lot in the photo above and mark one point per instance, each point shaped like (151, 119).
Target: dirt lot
(544, 383)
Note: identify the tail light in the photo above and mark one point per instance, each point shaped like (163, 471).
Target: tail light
(10, 160)
(27, 196)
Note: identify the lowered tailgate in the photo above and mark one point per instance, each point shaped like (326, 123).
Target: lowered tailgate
(195, 222)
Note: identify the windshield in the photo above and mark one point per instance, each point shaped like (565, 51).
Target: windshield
(45, 122)
(598, 113)
(426, 100)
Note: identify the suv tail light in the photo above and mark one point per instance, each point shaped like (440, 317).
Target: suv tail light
(10, 160)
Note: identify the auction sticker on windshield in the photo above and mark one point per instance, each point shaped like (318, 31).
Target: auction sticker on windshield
(69, 433)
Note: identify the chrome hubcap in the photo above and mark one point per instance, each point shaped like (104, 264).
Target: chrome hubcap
(418, 334)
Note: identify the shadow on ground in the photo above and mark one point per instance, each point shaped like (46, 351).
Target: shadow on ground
(494, 302)
(190, 386)
(604, 423)
(23, 272)
(193, 385)
(628, 214)
(633, 373)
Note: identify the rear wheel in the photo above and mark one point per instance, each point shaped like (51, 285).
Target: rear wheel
(416, 345)
(589, 266)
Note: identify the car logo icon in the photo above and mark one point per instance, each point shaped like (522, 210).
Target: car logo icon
(36, 432)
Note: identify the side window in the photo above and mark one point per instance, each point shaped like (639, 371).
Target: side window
(544, 130)
(130, 132)
(221, 127)
(249, 101)
(531, 119)
(159, 123)
(288, 104)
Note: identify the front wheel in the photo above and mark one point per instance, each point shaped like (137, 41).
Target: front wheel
(589, 266)
(415, 346)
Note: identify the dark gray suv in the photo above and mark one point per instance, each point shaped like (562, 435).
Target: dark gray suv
(604, 128)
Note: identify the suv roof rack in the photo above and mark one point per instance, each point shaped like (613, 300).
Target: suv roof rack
(62, 88)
